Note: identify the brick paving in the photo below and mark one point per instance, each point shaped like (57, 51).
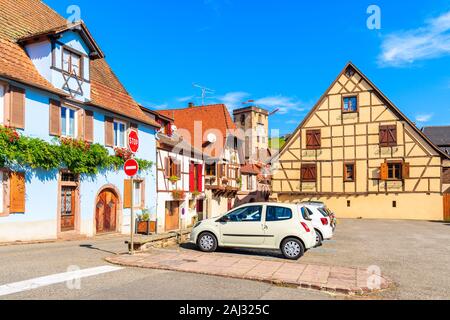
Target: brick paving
(338, 279)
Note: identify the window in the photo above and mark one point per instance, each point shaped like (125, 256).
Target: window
(350, 104)
(210, 169)
(388, 136)
(119, 134)
(395, 170)
(349, 172)
(173, 168)
(247, 214)
(68, 122)
(2, 103)
(137, 196)
(309, 173)
(313, 139)
(250, 183)
(306, 213)
(278, 214)
(242, 120)
(71, 63)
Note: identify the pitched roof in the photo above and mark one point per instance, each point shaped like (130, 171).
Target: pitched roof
(212, 117)
(20, 19)
(388, 102)
(440, 135)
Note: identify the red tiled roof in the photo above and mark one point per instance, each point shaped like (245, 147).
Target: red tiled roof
(211, 117)
(22, 18)
(250, 168)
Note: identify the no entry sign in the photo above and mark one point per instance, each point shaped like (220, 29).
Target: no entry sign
(131, 167)
(133, 141)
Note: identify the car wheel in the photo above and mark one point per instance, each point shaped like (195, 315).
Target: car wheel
(319, 239)
(292, 249)
(207, 242)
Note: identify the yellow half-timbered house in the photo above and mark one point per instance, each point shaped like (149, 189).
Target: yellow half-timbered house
(358, 153)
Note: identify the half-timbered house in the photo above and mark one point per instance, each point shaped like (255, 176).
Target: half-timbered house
(357, 152)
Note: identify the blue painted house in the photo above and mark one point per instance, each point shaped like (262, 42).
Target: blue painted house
(55, 83)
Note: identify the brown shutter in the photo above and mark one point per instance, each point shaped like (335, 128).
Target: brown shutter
(384, 171)
(55, 118)
(313, 139)
(17, 111)
(17, 192)
(89, 126)
(80, 124)
(383, 136)
(392, 135)
(178, 168)
(167, 167)
(405, 170)
(109, 132)
(127, 189)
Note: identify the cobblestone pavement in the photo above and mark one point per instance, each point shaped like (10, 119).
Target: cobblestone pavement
(347, 280)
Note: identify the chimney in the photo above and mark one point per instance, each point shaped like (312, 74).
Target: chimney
(190, 105)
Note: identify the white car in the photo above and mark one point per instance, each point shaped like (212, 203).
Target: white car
(321, 223)
(285, 227)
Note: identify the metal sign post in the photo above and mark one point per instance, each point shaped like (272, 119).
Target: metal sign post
(132, 216)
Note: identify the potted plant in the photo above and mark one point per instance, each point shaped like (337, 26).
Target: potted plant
(143, 223)
(225, 181)
(174, 179)
(178, 194)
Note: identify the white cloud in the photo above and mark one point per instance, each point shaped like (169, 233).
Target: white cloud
(234, 100)
(185, 99)
(429, 41)
(284, 104)
(424, 117)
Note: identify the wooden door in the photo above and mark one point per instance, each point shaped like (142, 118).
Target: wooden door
(172, 215)
(447, 206)
(68, 208)
(106, 212)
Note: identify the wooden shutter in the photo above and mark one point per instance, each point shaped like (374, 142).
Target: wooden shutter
(55, 118)
(127, 190)
(309, 173)
(89, 126)
(17, 192)
(405, 170)
(80, 124)
(192, 177)
(384, 171)
(388, 136)
(313, 139)
(167, 167)
(200, 178)
(178, 169)
(17, 110)
(109, 132)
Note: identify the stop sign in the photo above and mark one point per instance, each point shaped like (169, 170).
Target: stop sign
(133, 141)
(131, 167)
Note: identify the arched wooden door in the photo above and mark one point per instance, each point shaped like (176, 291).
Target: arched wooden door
(106, 212)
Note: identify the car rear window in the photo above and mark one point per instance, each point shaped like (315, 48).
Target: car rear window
(278, 213)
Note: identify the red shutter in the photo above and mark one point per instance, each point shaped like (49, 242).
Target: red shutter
(200, 177)
(89, 126)
(191, 177)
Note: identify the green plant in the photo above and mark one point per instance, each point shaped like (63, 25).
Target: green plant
(80, 157)
(195, 194)
(174, 179)
(144, 217)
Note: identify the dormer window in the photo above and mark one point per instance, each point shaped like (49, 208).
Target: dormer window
(68, 122)
(72, 62)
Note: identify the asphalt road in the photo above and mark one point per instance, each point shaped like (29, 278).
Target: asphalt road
(415, 254)
(24, 262)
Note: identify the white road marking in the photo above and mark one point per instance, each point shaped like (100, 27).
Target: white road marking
(32, 284)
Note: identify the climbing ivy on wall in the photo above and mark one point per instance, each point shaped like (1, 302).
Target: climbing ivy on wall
(80, 157)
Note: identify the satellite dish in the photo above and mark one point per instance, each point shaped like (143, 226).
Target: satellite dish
(211, 138)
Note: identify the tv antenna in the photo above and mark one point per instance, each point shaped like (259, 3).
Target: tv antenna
(205, 91)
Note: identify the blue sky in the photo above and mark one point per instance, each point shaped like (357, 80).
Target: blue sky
(280, 53)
